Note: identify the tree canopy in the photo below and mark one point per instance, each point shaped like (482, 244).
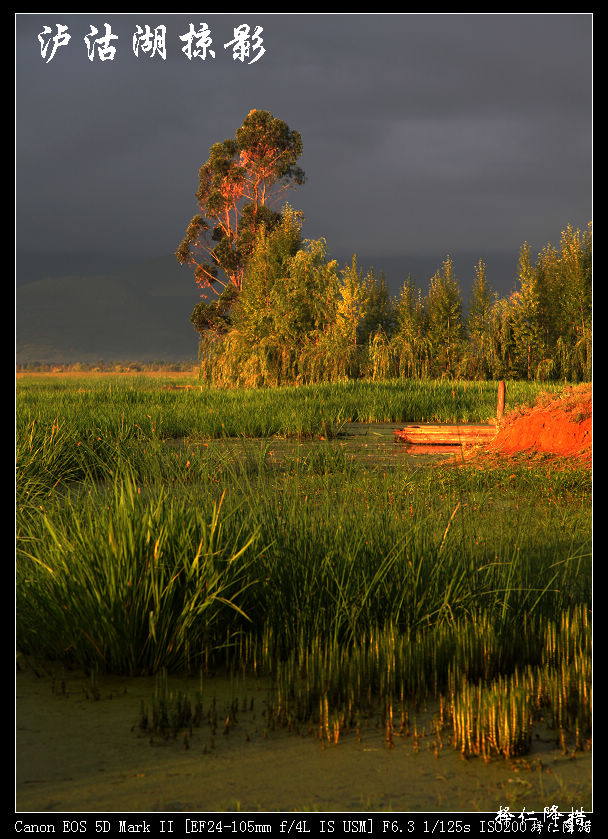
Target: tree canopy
(239, 184)
(300, 318)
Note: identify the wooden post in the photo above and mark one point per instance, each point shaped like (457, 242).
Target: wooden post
(500, 405)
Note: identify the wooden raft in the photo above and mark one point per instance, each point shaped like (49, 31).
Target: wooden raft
(452, 435)
(445, 435)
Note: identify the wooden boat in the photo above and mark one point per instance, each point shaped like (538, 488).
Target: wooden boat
(445, 435)
(453, 435)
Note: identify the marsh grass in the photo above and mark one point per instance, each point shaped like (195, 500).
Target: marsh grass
(452, 686)
(140, 407)
(359, 592)
(125, 582)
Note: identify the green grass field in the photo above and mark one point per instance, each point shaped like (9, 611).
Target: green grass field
(142, 548)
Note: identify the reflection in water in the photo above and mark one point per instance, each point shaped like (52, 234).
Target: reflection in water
(369, 444)
(79, 749)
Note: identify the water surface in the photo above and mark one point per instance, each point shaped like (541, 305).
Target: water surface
(79, 748)
(369, 444)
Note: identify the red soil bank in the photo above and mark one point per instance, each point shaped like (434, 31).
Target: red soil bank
(557, 425)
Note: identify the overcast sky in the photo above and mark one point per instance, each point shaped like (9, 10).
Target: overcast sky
(422, 133)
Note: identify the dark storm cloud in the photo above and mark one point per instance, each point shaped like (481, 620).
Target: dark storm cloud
(420, 131)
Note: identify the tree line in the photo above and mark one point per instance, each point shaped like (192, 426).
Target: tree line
(281, 312)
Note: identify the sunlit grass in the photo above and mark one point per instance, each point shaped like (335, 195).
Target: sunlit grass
(136, 406)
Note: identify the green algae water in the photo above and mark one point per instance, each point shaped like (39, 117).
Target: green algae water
(367, 445)
(80, 747)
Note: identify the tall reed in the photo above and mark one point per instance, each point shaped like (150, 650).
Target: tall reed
(126, 582)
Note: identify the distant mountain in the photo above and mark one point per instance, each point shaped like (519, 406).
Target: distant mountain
(161, 277)
(137, 314)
